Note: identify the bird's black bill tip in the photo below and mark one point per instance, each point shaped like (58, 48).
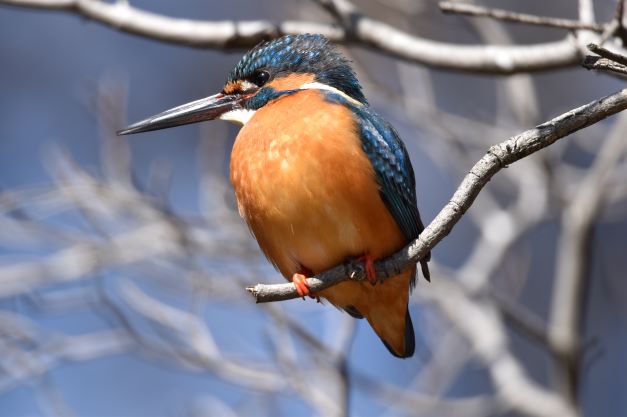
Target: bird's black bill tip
(126, 131)
(207, 108)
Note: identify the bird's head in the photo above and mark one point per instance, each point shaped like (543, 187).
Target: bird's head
(267, 72)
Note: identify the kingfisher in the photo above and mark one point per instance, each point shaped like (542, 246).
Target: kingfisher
(319, 177)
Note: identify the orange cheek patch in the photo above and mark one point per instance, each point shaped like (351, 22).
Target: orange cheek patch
(291, 81)
(232, 87)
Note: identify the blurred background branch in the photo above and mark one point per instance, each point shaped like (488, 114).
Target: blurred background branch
(131, 268)
(356, 28)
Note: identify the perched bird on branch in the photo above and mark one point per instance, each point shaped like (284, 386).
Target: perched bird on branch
(318, 175)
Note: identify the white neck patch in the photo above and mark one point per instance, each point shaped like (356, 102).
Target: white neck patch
(238, 117)
(242, 116)
(321, 86)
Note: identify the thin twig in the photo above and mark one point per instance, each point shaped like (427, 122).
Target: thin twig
(616, 25)
(606, 53)
(522, 319)
(497, 157)
(508, 16)
(604, 64)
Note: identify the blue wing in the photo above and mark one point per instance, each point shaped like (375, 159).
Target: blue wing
(393, 169)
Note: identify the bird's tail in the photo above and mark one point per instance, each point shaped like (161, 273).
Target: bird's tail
(400, 342)
(389, 317)
(384, 306)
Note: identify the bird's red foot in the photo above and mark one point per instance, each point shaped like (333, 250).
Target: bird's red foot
(300, 283)
(371, 273)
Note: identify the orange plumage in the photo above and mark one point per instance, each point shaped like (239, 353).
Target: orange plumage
(319, 177)
(310, 197)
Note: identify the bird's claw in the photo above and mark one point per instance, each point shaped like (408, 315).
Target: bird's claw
(369, 270)
(300, 283)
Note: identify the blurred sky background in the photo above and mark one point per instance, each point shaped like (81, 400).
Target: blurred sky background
(51, 66)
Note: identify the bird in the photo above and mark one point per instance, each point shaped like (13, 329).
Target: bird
(319, 177)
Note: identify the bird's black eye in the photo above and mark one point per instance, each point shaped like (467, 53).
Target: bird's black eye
(260, 77)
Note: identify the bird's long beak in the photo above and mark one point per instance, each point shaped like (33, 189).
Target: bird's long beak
(207, 108)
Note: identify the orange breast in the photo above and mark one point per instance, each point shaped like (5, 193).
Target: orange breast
(308, 192)
(307, 189)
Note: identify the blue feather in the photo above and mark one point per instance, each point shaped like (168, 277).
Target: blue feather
(392, 167)
(303, 54)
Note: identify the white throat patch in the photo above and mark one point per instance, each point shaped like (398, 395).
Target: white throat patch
(238, 117)
(242, 116)
(321, 86)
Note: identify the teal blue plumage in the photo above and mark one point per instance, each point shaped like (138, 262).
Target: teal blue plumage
(392, 166)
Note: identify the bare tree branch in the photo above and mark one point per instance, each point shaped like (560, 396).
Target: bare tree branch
(572, 258)
(505, 15)
(527, 322)
(586, 11)
(194, 332)
(615, 27)
(363, 30)
(18, 365)
(604, 64)
(498, 157)
(606, 53)
(480, 324)
(586, 14)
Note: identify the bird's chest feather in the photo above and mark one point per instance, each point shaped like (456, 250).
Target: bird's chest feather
(306, 188)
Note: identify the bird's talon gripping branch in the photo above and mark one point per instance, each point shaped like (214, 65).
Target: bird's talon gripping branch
(300, 283)
(369, 269)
